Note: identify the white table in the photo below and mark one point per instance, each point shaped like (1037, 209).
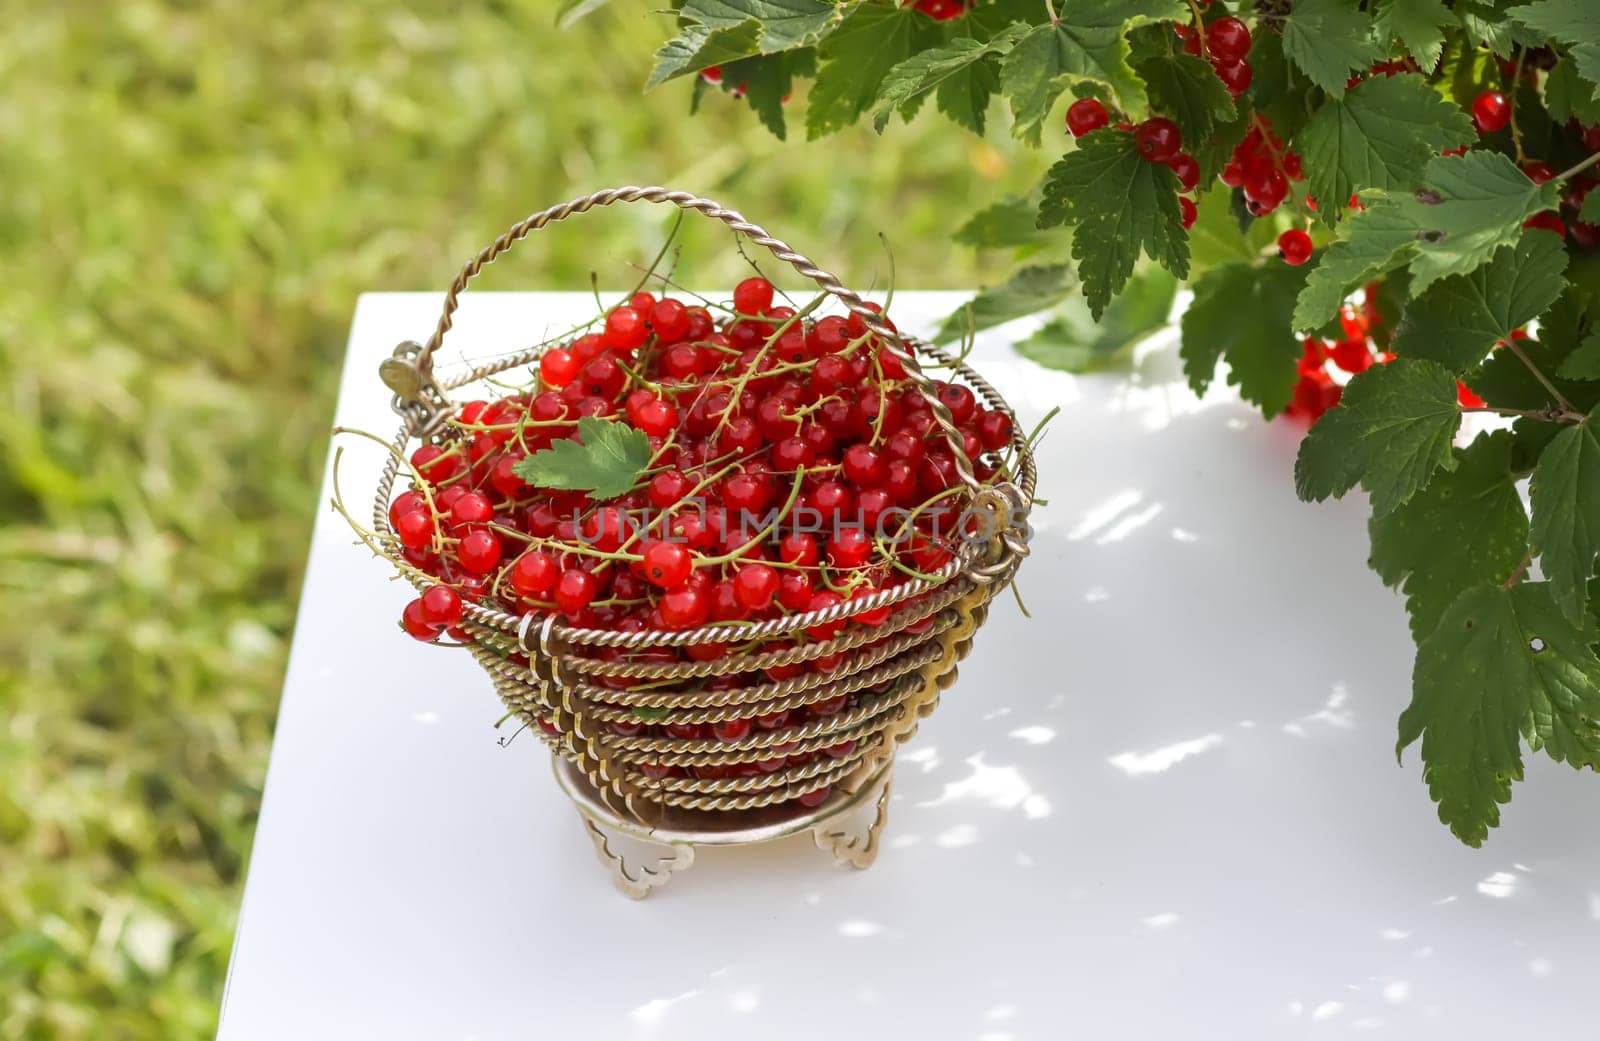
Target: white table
(1167, 806)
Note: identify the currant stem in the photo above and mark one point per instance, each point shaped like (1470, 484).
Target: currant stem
(1200, 29)
(1516, 79)
(1567, 175)
(1521, 571)
(1566, 406)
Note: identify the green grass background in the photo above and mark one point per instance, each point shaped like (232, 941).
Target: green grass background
(191, 197)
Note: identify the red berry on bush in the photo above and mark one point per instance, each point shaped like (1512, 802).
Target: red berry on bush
(1294, 246)
(558, 367)
(1491, 110)
(1187, 169)
(1227, 40)
(1187, 209)
(575, 590)
(1236, 76)
(1085, 116)
(1158, 139)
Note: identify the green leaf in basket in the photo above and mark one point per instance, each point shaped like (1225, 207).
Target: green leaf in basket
(650, 715)
(605, 461)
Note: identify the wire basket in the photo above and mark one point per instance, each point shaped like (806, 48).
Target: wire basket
(584, 690)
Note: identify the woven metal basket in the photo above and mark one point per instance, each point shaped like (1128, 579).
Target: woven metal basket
(681, 792)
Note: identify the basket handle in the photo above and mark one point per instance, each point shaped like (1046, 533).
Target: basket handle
(410, 372)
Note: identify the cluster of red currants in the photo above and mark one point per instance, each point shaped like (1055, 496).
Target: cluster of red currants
(1158, 139)
(792, 468)
(1366, 335)
(1225, 43)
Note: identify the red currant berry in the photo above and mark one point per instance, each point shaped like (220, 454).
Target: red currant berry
(479, 551)
(1158, 139)
(791, 454)
(602, 377)
(798, 549)
(534, 574)
(1228, 40)
(1491, 110)
(994, 430)
(667, 564)
(1538, 172)
(685, 608)
(1267, 186)
(471, 508)
(1187, 211)
(670, 320)
(1085, 116)
(821, 600)
(794, 590)
(441, 607)
(900, 480)
(849, 548)
(434, 464)
(752, 296)
(812, 799)
(831, 499)
(830, 335)
(667, 487)
(626, 328)
(415, 625)
(415, 529)
(731, 730)
(558, 367)
(656, 418)
(1236, 76)
(863, 466)
(1187, 169)
(1547, 221)
(959, 400)
(1294, 246)
(755, 585)
(575, 590)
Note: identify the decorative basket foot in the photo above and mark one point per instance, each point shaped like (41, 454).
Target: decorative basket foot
(852, 834)
(637, 864)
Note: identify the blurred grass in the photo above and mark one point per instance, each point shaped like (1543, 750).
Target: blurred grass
(191, 196)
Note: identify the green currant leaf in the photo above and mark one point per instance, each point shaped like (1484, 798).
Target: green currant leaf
(1074, 342)
(1590, 213)
(1473, 205)
(967, 63)
(1419, 24)
(1487, 25)
(1584, 362)
(1278, 90)
(1569, 96)
(1186, 90)
(1007, 224)
(1468, 526)
(605, 461)
(1380, 134)
(768, 79)
(1575, 23)
(1029, 291)
(1088, 43)
(1565, 496)
(1505, 381)
(713, 32)
(1215, 240)
(857, 56)
(1329, 40)
(1240, 313)
(1390, 432)
(1502, 666)
(1116, 202)
(1459, 319)
(1376, 240)
(1215, 150)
